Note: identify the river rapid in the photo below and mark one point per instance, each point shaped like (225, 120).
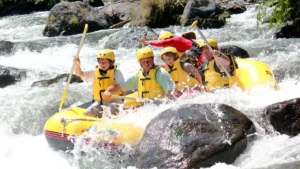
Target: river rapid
(25, 109)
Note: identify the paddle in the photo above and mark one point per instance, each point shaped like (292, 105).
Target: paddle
(130, 98)
(63, 97)
(194, 25)
(232, 79)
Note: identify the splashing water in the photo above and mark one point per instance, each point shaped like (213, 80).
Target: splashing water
(25, 109)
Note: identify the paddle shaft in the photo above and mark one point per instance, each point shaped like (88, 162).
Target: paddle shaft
(73, 67)
(210, 48)
(129, 98)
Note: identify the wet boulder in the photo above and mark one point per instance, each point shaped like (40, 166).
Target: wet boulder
(10, 76)
(234, 7)
(6, 47)
(194, 136)
(121, 11)
(289, 31)
(285, 116)
(208, 13)
(157, 14)
(68, 18)
(235, 51)
(57, 79)
(129, 38)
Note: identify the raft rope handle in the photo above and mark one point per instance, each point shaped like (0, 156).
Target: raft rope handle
(66, 121)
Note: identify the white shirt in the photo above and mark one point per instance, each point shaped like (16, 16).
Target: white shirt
(89, 76)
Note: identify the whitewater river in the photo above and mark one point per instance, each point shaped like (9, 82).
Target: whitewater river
(25, 109)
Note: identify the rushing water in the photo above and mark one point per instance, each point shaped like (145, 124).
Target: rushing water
(25, 109)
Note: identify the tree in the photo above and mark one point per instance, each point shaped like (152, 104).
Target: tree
(284, 11)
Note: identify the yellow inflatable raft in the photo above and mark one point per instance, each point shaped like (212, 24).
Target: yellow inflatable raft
(250, 73)
(63, 128)
(253, 73)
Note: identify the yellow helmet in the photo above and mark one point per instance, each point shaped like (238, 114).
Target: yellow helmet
(106, 54)
(169, 49)
(144, 53)
(165, 35)
(213, 43)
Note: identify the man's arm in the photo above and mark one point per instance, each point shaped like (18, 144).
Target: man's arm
(190, 69)
(129, 83)
(180, 43)
(118, 75)
(88, 76)
(225, 60)
(78, 70)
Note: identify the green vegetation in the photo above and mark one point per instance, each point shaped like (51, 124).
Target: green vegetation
(73, 20)
(131, 12)
(284, 11)
(51, 19)
(222, 17)
(159, 12)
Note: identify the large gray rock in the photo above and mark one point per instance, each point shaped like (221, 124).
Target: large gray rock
(158, 14)
(234, 7)
(236, 51)
(9, 76)
(289, 31)
(68, 18)
(6, 47)
(285, 116)
(194, 136)
(207, 12)
(57, 79)
(132, 37)
(121, 11)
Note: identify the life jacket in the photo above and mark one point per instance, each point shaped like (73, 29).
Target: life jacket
(102, 82)
(148, 87)
(214, 78)
(181, 78)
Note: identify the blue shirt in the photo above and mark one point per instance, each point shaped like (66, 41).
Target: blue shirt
(163, 78)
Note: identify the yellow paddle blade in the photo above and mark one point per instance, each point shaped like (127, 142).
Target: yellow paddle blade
(86, 27)
(194, 24)
(63, 98)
